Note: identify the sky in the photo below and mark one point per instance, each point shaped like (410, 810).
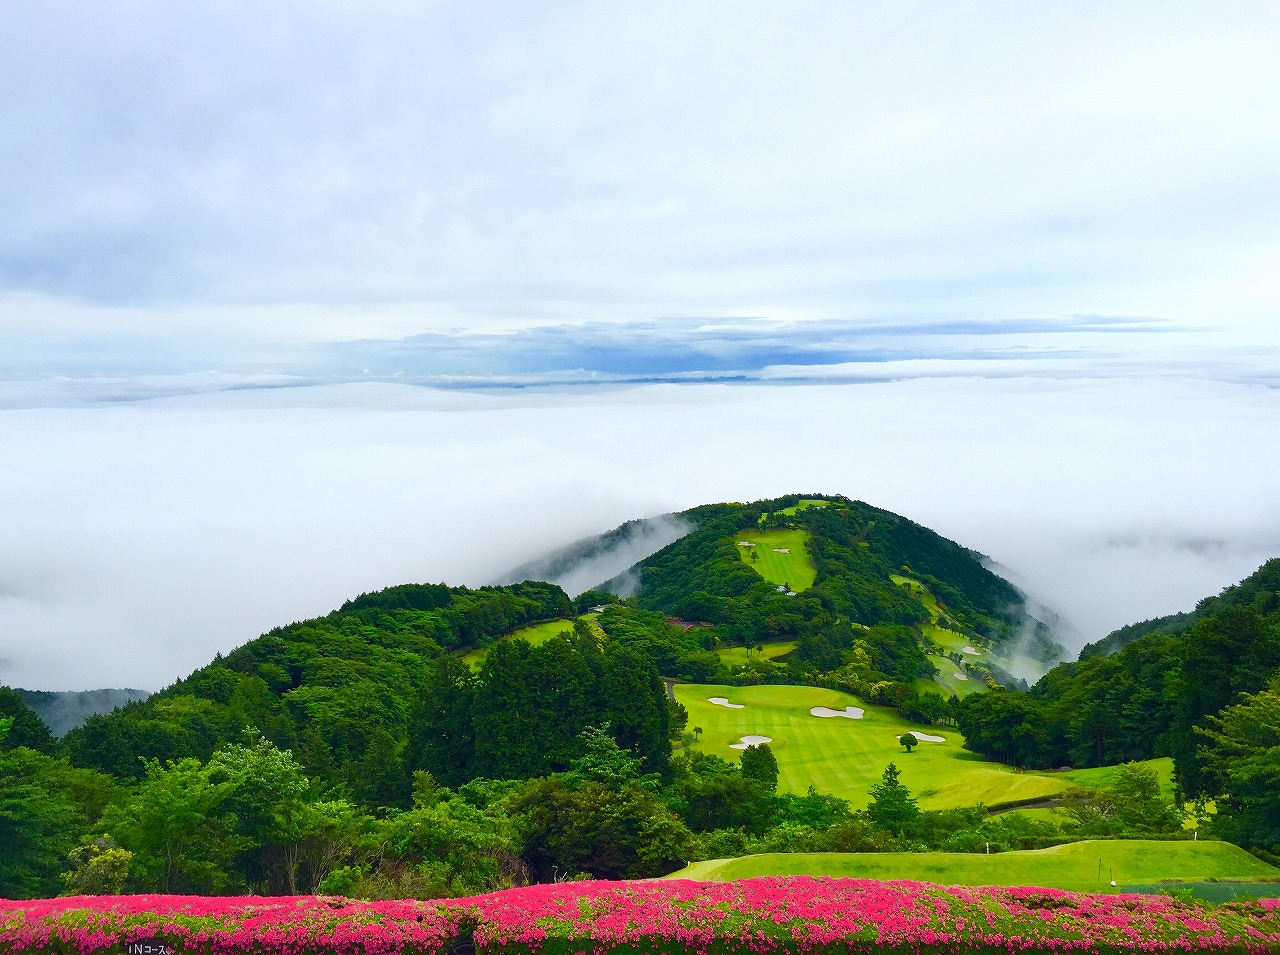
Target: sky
(302, 300)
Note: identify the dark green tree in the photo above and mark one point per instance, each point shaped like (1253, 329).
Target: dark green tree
(759, 763)
(892, 806)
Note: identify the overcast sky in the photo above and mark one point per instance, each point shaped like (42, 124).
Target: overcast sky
(303, 299)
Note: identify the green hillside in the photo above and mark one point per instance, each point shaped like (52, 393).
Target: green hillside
(1080, 866)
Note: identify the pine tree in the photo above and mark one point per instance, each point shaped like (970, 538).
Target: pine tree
(892, 805)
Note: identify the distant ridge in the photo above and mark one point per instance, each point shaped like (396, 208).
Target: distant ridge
(584, 563)
(63, 711)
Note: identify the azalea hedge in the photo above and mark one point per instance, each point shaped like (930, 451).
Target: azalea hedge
(796, 915)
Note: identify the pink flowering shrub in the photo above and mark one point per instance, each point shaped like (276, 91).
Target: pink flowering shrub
(796, 915)
(228, 926)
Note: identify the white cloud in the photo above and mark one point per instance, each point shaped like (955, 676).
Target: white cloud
(142, 538)
(450, 166)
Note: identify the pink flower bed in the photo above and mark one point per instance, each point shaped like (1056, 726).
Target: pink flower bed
(796, 915)
(228, 926)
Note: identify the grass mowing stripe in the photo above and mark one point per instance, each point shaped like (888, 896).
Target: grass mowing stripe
(793, 569)
(1083, 866)
(847, 757)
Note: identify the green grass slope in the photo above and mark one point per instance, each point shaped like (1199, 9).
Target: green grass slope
(847, 757)
(536, 635)
(794, 569)
(1081, 866)
(737, 656)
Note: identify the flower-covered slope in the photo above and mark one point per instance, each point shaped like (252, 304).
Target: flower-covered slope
(799, 914)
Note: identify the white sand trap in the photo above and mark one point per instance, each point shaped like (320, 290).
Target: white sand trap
(961, 676)
(971, 651)
(749, 741)
(745, 544)
(826, 712)
(782, 550)
(723, 701)
(926, 737)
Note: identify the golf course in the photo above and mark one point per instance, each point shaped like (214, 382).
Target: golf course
(844, 756)
(780, 557)
(1088, 866)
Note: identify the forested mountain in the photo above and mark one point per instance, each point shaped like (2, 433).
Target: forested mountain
(370, 693)
(433, 739)
(855, 549)
(1183, 690)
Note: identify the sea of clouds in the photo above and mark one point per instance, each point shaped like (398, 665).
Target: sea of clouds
(144, 536)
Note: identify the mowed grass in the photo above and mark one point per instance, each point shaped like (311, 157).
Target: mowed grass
(1103, 776)
(1081, 866)
(948, 679)
(847, 757)
(807, 503)
(736, 656)
(536, 635)
(794, 569)
(952, 642)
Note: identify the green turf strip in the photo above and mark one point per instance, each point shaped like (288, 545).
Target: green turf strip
(536, 635)
(1083, 866)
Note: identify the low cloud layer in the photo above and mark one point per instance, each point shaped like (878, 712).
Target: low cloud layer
(141, 538)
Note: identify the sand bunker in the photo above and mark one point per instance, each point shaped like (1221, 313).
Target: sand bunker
(782, 550)
(826, 712)
(961, 676)
(926, 737)
(745, 544)
(722, 701)
(749, 741)
(971, 651)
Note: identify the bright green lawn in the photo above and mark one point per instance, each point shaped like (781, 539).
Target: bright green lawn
(794, 569)
(1075, 866)
(846, 757)
(536, 635)
(948, 679)
(1103, 776)
(736, 656)
(952, 642)
(803, 505)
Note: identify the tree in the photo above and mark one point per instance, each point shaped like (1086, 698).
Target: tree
(759, 763)
(604, 761)
(181, 837)
(892, 805)
(909, 741)
(98, 867)
(26, 728)
(1241, 749)
(628, 833)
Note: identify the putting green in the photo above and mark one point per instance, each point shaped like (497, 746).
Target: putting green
(1082, 866)
(736, 656)
(793, 569)
(536, 635)
(846, 757)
